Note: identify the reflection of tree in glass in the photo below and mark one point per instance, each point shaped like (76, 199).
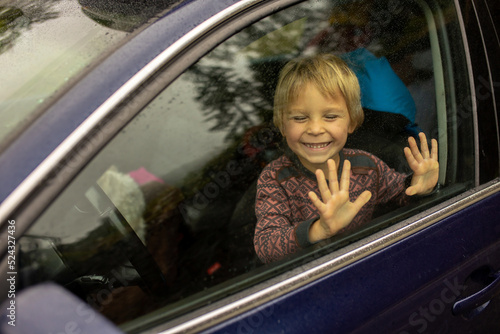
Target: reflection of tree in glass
(15, 20)
(235, 82)
(231, 101)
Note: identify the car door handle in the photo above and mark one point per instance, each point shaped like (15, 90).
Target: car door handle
(478, 299)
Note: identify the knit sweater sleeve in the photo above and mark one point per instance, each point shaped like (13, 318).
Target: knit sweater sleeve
(392, 185)
(275, 235)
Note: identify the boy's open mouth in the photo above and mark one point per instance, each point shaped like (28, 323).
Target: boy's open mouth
(316, 145)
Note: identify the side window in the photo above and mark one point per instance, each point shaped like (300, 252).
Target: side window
(163, 217)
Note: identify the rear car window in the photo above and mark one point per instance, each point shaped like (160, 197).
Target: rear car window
(163, 217)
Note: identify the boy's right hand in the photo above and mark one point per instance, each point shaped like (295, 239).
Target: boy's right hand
(335, 209)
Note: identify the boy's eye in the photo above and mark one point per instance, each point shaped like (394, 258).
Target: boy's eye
(331, 117)
(299, 118)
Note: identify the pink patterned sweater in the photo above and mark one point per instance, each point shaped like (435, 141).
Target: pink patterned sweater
(285, 213)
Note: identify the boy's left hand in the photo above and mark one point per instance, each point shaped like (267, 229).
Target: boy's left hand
(425, 166)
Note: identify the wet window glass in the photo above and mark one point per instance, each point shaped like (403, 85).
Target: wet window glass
(164, 216)
(44, 44)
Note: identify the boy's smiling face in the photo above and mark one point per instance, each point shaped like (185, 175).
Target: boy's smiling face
(316, 127)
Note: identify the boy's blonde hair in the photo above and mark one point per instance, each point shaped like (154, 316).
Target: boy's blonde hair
(328, 73)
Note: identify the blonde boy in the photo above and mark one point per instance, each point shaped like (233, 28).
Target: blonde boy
(300, 199)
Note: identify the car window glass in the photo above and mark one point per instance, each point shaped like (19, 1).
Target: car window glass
(163, 216)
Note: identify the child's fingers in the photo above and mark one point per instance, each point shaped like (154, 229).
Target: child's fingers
(412, 190)
(424, 148)
(414, 149)
(409, 191)
(326, 195)
(362, 200)
(434, 150)
(332, 176)
(410, 158)
(316, 201)
(345, 177)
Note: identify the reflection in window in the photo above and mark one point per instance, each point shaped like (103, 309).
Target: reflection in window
(50, 42)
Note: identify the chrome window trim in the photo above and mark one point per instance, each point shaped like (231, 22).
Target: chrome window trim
(41, 172)
(276, 287)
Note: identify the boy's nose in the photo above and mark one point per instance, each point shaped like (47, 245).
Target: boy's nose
(315, 127)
